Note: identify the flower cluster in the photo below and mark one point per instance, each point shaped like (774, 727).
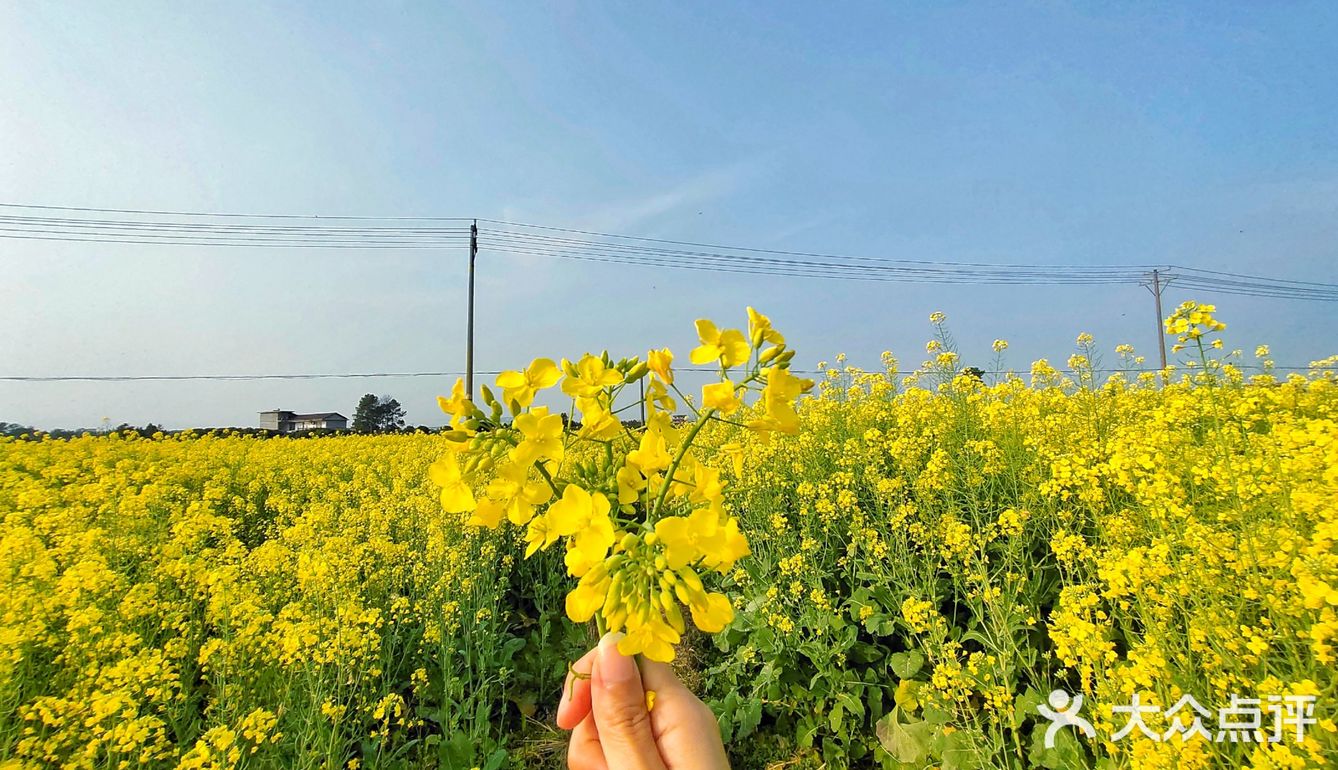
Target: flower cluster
(644, 518)
(936, 553)
(1191, 323)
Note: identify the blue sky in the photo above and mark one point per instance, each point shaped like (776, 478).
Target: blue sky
(1197, 134)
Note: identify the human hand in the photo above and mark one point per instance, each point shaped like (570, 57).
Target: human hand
(612, 729)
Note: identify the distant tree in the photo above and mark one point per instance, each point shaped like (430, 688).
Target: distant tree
(375, 415)
(392, 414)
(147, 430)
(364, 417)
(14, 429)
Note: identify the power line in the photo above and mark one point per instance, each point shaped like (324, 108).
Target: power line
(225, 226)
(1256, 286)
(403, 375)
(229, 214)
(229, 377)
(224, 243)
(520, 238)
(247, 377)
(716, 248)
(1253, 277)
(884, 270)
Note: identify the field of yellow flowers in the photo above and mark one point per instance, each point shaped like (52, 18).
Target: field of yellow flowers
(930, 557)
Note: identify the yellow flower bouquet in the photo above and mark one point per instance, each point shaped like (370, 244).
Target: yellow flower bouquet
(644, 519)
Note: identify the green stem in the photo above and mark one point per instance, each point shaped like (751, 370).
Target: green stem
(551, 484)
(678, 459)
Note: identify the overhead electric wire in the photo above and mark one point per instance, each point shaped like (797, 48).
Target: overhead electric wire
(799, 272)
(891, 269)
(1256, 286)
(258, 238)
(780, 252)
(111, 226)
(228, 234)
(244, 377)
(1253, 277)
(229, 377)
(225, 226)
(365, 375)
(157, 212)
(271, 244)
(875, 263)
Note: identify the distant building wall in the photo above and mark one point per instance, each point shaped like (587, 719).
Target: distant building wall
(273, 420)
(284, 421)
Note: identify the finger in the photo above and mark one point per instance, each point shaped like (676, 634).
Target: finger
(685, 730)
(661, 678)
(575, 704)
(584, 751)
(618, 703)
(672, 697)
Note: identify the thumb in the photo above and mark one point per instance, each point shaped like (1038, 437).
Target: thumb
(618, 703)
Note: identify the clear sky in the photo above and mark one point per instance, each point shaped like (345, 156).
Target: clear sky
(1069, 133)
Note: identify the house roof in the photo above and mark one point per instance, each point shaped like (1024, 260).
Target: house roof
(318, 416)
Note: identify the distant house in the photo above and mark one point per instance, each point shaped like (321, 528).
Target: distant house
(284, 421)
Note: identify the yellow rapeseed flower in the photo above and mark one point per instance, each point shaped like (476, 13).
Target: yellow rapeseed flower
(456, 495)
(520, 387)
(729, 347)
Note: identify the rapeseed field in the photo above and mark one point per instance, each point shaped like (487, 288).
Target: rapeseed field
(896, 570)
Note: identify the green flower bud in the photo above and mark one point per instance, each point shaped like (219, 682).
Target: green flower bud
(675, 617)
(690, 579)
(681, 591)
(488, 397)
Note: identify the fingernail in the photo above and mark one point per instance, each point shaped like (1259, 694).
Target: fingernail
(613, 665)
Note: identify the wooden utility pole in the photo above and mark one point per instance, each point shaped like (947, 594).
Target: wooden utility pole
(469, 328)
(1155, 288)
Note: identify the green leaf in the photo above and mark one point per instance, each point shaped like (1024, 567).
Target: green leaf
(906, 695)
(907, 664)
(865, 653)
(495, 760)
(1025, 706)
(937, 716)
(1067, 752)
(525, 702)
(958, 753)
(851, 703)
(749, 717)
(907, 742)
(512, 646)
(455, 752)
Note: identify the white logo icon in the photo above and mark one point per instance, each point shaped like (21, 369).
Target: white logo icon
(1063, 712)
